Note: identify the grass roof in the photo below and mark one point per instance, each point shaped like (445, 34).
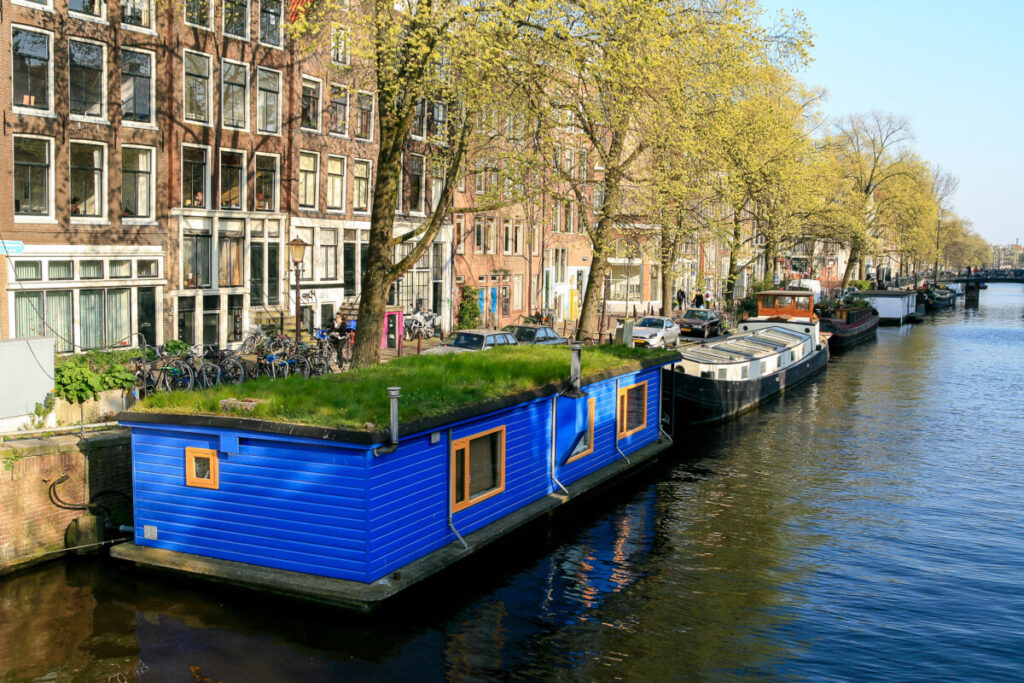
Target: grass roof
(431, 386)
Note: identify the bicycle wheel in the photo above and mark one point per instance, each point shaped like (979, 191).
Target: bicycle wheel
(264, 368)
(279, 368)
(318, 364)
(232, 371)
(346, 354)
(177, 375)
(298, 365)
(208, 376)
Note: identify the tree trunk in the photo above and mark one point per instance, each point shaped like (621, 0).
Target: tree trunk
(589, 315)
(854, 259)
(730, 285)
(669, 259)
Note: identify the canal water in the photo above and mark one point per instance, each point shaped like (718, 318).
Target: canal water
(867, 526)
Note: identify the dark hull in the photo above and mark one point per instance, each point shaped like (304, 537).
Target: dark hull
(702, 400)
(844, 336)
(941, 304)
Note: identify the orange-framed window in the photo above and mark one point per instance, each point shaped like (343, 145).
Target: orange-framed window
(201, 468)
(585, 446)
(632, 413)
(478, 468)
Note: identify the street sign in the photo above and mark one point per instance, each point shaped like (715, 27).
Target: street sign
(11, 247)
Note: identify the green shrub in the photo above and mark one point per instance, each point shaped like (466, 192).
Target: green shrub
(860, 284)
(469, 309)
(117, 377)
(175, 346)
(76, 382)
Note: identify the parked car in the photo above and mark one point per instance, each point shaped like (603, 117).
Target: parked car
(535, 334)
(699, 322)
(473, 340)
(655, 331)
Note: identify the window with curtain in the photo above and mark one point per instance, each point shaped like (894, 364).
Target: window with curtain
(235, 92)
(85, 75)
(30, 51)
(58, 320)
(120, 268)
(28, 314)
(119, 317)
(336, 183)
(26, 271)
(230, 254)
(232, 179)
(90, 270)
(135, 182)
(268, 90)
(31, 176)
(306, 235)
(193, 177)
(136, 13)
(197, 87)
(92, 318)
(328, 254)
(195, 254)
(265, 183)
(361, 194)
(60, 270)
(308, 162)
(86, 179)
(136, 86)
(270, 22)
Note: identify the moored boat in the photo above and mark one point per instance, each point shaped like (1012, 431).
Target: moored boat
(779, 348)
(894, 306)
(939, 299)
(849, 326)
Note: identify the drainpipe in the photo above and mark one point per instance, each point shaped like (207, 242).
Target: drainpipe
(451, 525)
(394, 393)
(575, 371)
(554, 436)
(624, 456)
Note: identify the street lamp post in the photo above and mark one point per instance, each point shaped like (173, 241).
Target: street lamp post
(297, 252)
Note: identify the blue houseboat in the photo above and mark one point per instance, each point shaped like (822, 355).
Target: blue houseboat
(354, 517)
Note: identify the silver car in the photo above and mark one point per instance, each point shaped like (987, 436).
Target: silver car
(473, 340)
(655, 332)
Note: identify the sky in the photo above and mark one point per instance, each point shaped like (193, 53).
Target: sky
(955, 70)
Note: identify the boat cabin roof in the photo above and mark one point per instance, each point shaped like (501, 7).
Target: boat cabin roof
(795, 303)
(738, 348)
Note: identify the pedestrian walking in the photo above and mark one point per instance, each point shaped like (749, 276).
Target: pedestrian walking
(680, 299)
(698, 300)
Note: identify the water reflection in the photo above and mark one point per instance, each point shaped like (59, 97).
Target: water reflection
(866, 525)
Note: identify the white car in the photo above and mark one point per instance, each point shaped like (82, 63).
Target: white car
(655, 332)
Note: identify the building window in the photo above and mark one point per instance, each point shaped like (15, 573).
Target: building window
(193, 177)
(31, 69)
(506, 228)
(310, 104)
(86, 180)
(266, 183)
(136, 182)
(195, 251)
(229, 252)
(85, 75)
(339, 46)
(60, 270)
(232, 180)
(235, 92)
(105, 317)
(28, 314)
(361, 193)
(436, 184)
(308, 169)
(328, 254)
(632, 413)
(419, 120)
(92, 8)
(440, 122)
(136, 86)
(478, 468)
(197, 13)
(339, 110)
(146, 268)
(270, 22)
(31, 176)
(561, 257)
(28, 271)
(306, 267)
(201, 468)
(336, 183)
(585, 427)
(197, 87)
(236, 15)
(136, 13)
(39, 314)
(268, 101)
(416, 182)
(120, 268)
(364, 116)
(460, 233)
(90, 270)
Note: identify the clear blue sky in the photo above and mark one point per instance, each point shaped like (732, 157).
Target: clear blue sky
(955, 69)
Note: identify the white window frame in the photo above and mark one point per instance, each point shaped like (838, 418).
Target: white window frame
(149, 30)
(277, 175)
(101, 18)
(259, 109)
(151, 218)
(348, 111)
(104, 95)
(373, 115)
(245, 97)
(345, 60)
(420, 210)
(209, 82)
(49, 111)
(206, 181)
(320, 105)
(248, 21)
(51, 195)
(152, 89)
(459, 233)
(316, 183)
(344, 183)
(41, 6)
(423, 121)
(104, 217)
(208, 26)
(369, 187)
(280, 28)
(245, 179)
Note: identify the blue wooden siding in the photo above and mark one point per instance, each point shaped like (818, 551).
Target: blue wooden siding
(284, 502)
(334, 509)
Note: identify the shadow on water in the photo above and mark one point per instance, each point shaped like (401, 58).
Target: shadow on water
(864, 525)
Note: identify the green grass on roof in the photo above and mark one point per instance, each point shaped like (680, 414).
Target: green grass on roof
(431, 386)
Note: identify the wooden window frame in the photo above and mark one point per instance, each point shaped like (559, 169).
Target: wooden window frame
(591, 403)
(464, 444)
(622, 407)
(190, 467)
